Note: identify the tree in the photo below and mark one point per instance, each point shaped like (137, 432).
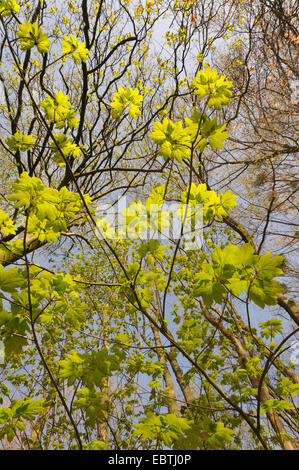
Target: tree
(114, 339)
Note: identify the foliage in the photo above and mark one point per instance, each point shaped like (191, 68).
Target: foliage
(31, 35)
(117, 333)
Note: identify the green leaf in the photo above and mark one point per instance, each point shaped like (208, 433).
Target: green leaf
(267, 266)
(20, 141)
(220, 436)
(209, 83)
(164, 428)
(174, 141)
(7, 7)
(271, 328)
(214, 132)
(74, 47)
(30, 35)
(27, 408)
(206, 286)
(126, 98)
(275, 404)
(264, 292)
(5, 414)
(59, 111)
(96, 445)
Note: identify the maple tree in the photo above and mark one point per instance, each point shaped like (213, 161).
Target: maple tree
(113, 340)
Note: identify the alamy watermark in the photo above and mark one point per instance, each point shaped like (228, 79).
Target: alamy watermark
(168, 222)
(1, 352)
